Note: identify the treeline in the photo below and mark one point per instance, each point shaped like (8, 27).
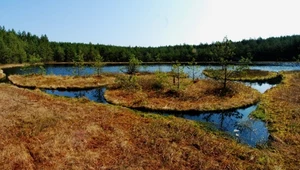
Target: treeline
(20, 47)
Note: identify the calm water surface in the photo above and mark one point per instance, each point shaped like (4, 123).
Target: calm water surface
(236, 123)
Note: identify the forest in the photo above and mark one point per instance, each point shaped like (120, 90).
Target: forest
(20, 47)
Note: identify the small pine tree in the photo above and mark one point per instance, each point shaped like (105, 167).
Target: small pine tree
(78, 64)
(98, 65)
(176, 72)
(193, 68)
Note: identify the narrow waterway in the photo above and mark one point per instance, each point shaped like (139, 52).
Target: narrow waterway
(236, 123)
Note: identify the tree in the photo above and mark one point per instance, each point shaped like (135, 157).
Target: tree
(59, 54)
(98, 65)
(176, 72)
(194, 68)
(224, 51)
(133, 65)
(79, 63)
(45, 51)
(33, 61)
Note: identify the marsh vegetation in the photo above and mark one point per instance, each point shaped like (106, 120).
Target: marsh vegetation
(42, 131)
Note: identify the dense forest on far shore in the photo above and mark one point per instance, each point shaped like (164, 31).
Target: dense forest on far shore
(20, 47)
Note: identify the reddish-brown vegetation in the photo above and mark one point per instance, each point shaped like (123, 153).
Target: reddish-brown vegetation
(204, 95)
(60, 82)
(38, 131)
(280, 108)
(245, 75)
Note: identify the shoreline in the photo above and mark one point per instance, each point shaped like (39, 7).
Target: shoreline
(259, 63)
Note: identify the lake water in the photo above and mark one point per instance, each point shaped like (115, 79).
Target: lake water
(236, 123)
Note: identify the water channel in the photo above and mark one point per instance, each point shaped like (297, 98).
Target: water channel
(236, 123)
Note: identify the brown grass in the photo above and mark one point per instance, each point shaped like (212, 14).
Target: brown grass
(246, 75)
(60, 82)
(2, 66)
(204, 95)
(38, 131)
(2, 75)
(280, 108)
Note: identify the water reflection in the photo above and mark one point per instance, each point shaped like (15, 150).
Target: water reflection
(69, 70)
(237, 123)
(96, 95)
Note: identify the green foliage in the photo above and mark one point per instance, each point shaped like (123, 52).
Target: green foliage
(133, 65)
(192, 65)
(78, 64)
(161, 80)
(176, 72)
(98, 65)
(297, 59)
(223, 52)
(244, 62)
(130, 84)
(16, 48)
(33, 61)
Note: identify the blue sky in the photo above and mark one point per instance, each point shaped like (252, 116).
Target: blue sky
(151, 22)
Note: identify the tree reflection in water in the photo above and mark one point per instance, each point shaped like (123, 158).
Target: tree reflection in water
(249, 131)
(96, 95)
(236, 123)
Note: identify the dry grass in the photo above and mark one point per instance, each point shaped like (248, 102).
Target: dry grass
(246, 75)
(280, 108)
(2, 75)
(204, 95)
(60, 82)
(2, 66)
(38, 131)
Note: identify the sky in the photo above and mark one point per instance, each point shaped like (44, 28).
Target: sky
(151, 22)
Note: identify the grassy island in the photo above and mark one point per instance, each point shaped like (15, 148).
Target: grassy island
(249, 75)
(39, 131)
(60, 82)
(203, 95)
(280, 108)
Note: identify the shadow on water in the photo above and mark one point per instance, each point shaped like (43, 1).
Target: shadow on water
(235, 122)
(96, 95)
